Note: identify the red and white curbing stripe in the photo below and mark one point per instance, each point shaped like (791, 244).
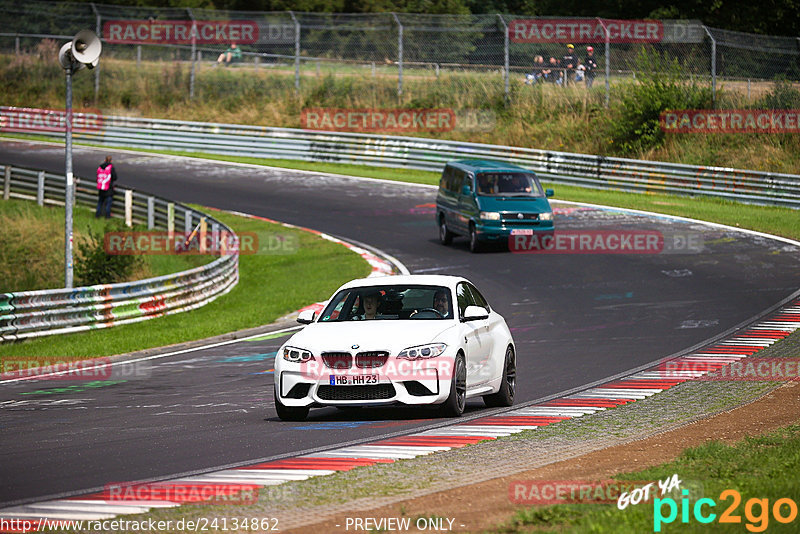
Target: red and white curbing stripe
(747, 342)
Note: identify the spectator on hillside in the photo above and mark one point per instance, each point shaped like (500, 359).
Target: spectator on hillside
(590, 65)
(569, 62)
(536, 73)
(231, 55)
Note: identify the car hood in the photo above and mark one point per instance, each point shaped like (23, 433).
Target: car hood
(518, 204)
(390, 335)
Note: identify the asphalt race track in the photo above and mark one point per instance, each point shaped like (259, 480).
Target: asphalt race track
(576, 318)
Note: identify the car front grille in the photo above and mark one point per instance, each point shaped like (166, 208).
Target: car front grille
(344, 393)
(371, 360)
(337, 360)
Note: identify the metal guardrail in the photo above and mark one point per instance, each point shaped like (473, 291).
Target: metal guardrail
(28, 314)
(428, 154)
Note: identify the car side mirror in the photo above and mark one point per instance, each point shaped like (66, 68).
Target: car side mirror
(475, 313)
(549, 193)
(466, 190)
(306, 317)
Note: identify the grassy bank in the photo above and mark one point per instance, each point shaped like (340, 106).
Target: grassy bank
(32, 247)
(762, 468)
(270, 286)
(571, 119)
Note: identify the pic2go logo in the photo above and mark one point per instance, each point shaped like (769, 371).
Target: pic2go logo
(756, 511)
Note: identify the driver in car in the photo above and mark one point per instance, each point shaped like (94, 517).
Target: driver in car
(440, 303)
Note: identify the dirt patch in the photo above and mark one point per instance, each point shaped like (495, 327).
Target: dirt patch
(484, 505)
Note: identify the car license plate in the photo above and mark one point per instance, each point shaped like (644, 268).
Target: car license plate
(354, 380)
(522, 231)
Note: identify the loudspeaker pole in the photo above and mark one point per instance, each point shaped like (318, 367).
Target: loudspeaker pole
(70, 188)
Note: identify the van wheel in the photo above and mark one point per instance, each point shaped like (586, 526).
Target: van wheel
(445, 235)
(474, 244)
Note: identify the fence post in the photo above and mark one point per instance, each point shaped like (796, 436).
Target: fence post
(170, 219)
(16, 45)
(203, 234)
(99, 32)
(151, 213)
(296, 52)
(40, 189)
(215, 238)
(505, 56)
(713, 68)
(399, 55)
(194, 53)
(138, 56)
(608, 62)
(128, 208)
(187, 222)
(7, 183)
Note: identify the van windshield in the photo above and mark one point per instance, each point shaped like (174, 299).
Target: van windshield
(501, 184)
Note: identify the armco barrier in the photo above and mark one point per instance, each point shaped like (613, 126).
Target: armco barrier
(429, 154)
(28, 314)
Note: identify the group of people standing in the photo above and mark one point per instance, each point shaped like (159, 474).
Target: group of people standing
(569, 68)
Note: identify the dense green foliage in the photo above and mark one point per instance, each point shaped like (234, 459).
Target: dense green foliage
(94, 265)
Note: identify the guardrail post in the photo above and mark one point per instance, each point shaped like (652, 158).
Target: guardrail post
(138, 56)
(151, 213)
(187, 222)
(16, 45)
(203, 233)
(170, 219)
(40, 189)
(128, 208)
(7, 183)
(215, 237)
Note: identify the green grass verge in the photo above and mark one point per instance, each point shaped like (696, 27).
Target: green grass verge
(270, 286)
(763, 467)
(32, 245)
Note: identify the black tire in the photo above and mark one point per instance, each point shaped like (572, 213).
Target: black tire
(474, 244)
(454, 405)
(290, 413)
(508, 385)
(445, 235)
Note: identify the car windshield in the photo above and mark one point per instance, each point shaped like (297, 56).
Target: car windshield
(501, 184)
(391, 302)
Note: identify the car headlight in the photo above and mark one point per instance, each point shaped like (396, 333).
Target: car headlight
(430, 350)
(293, 354)
(547, 216)
(490, 216)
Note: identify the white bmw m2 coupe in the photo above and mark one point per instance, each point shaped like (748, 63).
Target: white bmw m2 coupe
(413, 340)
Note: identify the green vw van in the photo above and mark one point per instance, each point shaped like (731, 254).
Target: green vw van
(488, 201)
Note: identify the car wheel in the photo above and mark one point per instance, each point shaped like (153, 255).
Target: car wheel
(445, 235)
(454, 405)
(290, 413)
(474, 244)
(508, 385)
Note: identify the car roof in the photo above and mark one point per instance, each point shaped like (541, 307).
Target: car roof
(410, 279)
(483, 165)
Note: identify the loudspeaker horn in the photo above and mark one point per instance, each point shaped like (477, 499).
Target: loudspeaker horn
(86, 47)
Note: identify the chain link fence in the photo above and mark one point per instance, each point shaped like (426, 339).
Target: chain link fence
(477, 58)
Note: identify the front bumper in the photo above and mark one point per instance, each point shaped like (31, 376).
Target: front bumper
(501, 232)
(397, 382)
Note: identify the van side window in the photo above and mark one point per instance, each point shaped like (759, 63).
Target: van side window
(466, 181)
